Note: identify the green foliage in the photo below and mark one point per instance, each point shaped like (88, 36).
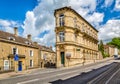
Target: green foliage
(115, 42)
(101, 46)
(105, 55)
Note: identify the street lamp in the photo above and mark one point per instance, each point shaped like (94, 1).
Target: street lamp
(68, 56)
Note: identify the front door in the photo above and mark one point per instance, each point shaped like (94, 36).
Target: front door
(62, 58)
(19, 65)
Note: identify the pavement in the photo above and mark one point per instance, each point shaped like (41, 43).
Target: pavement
(27, 72)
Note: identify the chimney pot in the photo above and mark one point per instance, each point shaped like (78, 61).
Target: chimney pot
(51, 47)
(29, 36)
(15, 31)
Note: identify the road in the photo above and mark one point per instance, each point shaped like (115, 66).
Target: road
(88, 74)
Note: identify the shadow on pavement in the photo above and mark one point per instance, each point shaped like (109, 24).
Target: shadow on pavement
(84, 78)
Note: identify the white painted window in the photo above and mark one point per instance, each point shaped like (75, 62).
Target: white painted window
(61, 19)
(31, 63)
(31, 53)
(61, 36)
(75, 22)
(6, 64)
(15, 51)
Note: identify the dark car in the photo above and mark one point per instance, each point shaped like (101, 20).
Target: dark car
(116, 57)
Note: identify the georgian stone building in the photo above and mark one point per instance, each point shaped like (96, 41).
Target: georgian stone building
(48, 57)
(76, 39)
(110, 50)
(24, 49)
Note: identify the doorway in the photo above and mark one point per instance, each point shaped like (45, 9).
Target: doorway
(19, 65)
(62, 58)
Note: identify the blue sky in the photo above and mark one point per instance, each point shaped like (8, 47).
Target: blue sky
(16, 9)
(36, 17)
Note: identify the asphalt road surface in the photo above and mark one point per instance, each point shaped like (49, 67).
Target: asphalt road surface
(99, 73)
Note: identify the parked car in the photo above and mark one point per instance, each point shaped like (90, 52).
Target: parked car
(116, 57)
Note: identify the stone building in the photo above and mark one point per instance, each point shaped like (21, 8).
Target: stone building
(76, 39)
(110, 50)
(17, 53)
(48, 57)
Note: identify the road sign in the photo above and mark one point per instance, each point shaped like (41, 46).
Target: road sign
(16, 57)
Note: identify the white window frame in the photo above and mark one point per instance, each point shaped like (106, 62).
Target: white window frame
(6, 67)
(31, 65)
(75, 22)
(61, 36)
(16, 50)
(61, 20)
(31, 53)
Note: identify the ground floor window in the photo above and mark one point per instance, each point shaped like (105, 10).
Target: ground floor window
(6, 64)
(31, 63)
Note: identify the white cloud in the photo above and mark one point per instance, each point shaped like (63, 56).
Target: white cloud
(42, 17)
(109, 30)
(108, 3)
(95, 18)
(8, 25)
(117, 5)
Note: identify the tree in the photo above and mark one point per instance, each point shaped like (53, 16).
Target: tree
(101, 48)
(115, 42)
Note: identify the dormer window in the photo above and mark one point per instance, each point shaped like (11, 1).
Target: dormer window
(27, 42)
(11, 38)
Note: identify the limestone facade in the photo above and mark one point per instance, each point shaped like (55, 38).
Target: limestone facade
(109, 49)
(24, 49)
(76, 39)
(48, 56)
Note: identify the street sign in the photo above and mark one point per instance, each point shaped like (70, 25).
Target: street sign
(16, 57)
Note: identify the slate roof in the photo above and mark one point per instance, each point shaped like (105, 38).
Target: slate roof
(69, 8)
(44, 48)
(5, 36)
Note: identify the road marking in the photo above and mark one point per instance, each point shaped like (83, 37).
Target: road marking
(28, 81)
(112, 76)
(49, 77)
(99, 76)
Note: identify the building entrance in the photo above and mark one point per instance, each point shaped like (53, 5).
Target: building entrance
(62, 58)
(19, 65)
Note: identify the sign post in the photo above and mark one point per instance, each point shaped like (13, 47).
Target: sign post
(16, 58)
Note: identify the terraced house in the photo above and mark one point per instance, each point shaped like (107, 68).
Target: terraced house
(17, 53)
(76, 39)
(47, 57)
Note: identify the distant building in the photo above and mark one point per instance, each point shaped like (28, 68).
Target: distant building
(76, 39)
(17, 53)
(47, 57)
(110, 50)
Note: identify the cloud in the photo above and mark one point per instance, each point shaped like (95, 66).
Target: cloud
(42, 19)
(117, 5)
(110, 30)
(95, 18)
(8, 25)
(108, 3)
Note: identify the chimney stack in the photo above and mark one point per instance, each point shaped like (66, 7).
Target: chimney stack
(51, 47)
(35, 43)
(29, 36)
(15, 31)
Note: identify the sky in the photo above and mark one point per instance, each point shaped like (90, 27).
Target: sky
(36, 17)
